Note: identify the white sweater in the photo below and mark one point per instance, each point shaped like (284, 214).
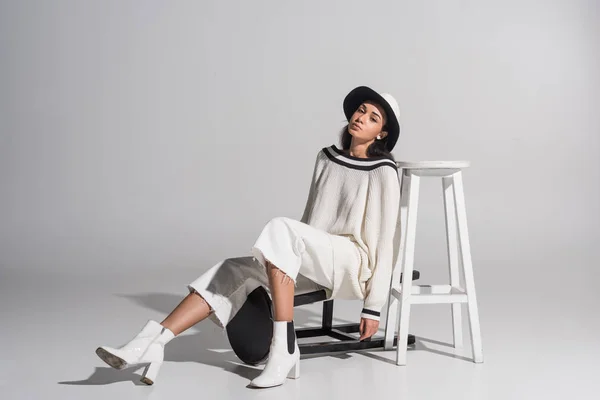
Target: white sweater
(360, 198)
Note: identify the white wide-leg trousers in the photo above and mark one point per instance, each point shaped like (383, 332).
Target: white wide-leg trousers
(312, 258)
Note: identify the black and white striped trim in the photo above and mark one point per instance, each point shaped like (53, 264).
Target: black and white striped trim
(366, 313)
(364, 164)
(371, 312)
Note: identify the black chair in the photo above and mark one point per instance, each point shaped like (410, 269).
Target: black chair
(251, 330)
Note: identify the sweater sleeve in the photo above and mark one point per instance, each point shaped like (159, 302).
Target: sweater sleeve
(382, 211)
(311, 194)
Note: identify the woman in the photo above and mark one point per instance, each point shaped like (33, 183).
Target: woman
(346, 242)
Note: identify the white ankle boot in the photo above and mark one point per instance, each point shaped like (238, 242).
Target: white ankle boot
(146, 347)
(284, 357)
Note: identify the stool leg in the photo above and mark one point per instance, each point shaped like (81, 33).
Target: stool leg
(407, 269)
(452, 243)
(392, 311)
(465, 247)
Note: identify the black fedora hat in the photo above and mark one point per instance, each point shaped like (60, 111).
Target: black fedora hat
(389, 104)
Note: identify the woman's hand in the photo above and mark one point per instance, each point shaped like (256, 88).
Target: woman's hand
(368, 327)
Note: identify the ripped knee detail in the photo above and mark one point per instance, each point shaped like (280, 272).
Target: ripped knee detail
(276, 273)
(202, 299)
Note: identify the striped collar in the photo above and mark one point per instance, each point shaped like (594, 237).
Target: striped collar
(338, 156)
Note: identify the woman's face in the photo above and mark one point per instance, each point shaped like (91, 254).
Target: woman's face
(367, 122)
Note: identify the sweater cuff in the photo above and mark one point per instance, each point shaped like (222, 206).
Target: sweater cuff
(370, 314)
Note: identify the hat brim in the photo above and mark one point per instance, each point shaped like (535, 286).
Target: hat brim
(363, 93)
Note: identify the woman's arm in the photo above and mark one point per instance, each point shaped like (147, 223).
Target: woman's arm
(311, 195)
(381, 221)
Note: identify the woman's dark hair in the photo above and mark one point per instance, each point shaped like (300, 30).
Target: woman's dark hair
(376, 149)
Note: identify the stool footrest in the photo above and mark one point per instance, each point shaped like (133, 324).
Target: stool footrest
(433, 294)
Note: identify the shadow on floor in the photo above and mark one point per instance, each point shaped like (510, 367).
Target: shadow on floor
(205, 343)
(205, 347)
(208, 345)
(419, 345)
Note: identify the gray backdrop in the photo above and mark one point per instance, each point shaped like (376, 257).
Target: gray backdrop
(160, 135)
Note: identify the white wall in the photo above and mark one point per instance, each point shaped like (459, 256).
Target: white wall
(152, 134)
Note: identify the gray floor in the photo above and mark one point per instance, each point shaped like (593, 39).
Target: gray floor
(534, 347)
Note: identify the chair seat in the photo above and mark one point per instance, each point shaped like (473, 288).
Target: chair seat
(321, 295)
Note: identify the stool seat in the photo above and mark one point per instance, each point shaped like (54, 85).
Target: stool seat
(432, 164)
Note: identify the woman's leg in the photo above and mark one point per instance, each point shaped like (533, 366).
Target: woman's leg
(218, 292)
(192, 309)
(282, 293)
(280, 248)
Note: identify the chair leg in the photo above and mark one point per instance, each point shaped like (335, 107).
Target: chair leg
(327, 317)
(453, 262)
(392, 311)
(407, 269)
(465, 247)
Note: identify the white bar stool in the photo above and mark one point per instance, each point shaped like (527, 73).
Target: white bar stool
(404, 294)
